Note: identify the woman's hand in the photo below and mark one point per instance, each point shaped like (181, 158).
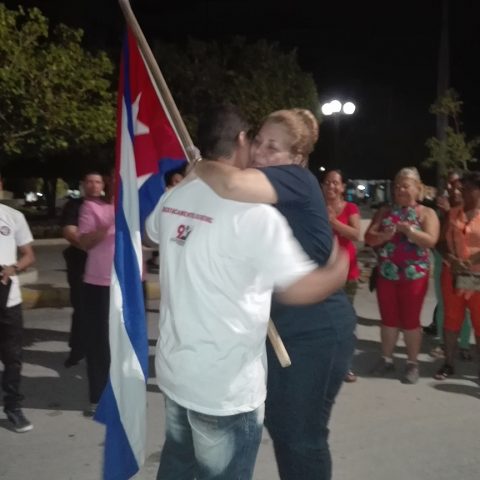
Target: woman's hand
(427, 235)
(404, 227)
(331, 214)
(388, 233)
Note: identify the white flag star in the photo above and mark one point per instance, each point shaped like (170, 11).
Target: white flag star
(139, 128)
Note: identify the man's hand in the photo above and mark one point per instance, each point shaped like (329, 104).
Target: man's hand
(321, 283)
(7, 272)
(27, 257)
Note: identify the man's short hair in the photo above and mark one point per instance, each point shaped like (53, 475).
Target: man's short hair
(472, 178)
(218, 131)
(92, 172)
(169, 175)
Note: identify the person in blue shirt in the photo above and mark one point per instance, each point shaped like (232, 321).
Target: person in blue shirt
(320, 337)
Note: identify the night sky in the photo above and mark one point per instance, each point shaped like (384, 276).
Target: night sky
(380, 55)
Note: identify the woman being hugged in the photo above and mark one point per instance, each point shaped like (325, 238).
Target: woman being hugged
(345, 221)
(319, 338)
(402, 236)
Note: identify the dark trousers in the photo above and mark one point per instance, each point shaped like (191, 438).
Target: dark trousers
(11, 337)
(300, 400)
(96, 309)
(75, 262)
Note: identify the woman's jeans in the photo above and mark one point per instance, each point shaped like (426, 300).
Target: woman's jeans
(300, 400)
(207, 447)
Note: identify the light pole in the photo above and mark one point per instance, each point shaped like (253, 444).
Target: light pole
(336, 109)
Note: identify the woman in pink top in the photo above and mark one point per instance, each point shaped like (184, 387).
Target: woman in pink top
(345, 221)
(96, 226)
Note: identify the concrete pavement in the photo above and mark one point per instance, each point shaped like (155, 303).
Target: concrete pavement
(380, 429)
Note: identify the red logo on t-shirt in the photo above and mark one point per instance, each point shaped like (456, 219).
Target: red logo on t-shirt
(183, 231)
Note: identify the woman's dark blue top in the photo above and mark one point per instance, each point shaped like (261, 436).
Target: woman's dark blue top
(301, 202)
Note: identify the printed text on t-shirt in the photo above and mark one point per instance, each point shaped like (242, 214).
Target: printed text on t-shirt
(184, 213)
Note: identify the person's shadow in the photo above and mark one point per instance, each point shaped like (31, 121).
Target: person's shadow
(459, 389)
(46, 383)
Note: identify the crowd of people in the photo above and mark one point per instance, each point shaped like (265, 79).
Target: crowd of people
(246, 237)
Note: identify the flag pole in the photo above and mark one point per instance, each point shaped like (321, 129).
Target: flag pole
(190, 149)
(170, 106)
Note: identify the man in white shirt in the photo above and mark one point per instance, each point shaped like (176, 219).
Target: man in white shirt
(219, 263)
(14, 233)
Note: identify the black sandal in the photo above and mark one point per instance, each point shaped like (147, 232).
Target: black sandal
(444, 372)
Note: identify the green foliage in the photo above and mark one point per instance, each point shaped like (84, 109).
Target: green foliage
(454, 151)
(54, 95)
(258, 77)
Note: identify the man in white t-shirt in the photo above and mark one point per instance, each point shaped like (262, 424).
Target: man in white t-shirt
(219, 263)
(14, 233)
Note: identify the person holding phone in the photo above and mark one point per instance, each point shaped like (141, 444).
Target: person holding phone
(14, 234)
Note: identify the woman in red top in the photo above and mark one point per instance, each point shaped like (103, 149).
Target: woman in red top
(345, 221)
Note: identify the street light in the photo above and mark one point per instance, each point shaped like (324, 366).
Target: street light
(348, 108)
(326, 109)
(335, 108)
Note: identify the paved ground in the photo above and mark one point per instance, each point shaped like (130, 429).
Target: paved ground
(381, 429)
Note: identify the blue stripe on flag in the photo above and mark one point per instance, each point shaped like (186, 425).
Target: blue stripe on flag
(129, 277)
(120, 463)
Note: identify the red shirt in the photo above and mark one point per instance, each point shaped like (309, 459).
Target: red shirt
(343, 217)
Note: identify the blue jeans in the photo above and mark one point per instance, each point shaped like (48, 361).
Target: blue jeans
(300, 400)
(209, 447)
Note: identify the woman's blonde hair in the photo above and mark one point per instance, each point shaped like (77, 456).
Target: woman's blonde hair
(302, 127)
(413, 174)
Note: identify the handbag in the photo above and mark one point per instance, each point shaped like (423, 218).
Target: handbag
(4, 292)
(467, 281)
(372, 281)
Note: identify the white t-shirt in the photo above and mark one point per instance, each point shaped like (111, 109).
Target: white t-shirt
(14, 232)
(219, 261)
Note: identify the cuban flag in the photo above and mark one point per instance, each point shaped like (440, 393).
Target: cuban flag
(147, 148)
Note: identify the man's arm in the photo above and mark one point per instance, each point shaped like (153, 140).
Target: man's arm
(89, 234)
(147, 241)
(70, 233)
(318, 284)
(27, 257)
(89, 240)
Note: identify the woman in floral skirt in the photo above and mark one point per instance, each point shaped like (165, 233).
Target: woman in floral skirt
(402, 235)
